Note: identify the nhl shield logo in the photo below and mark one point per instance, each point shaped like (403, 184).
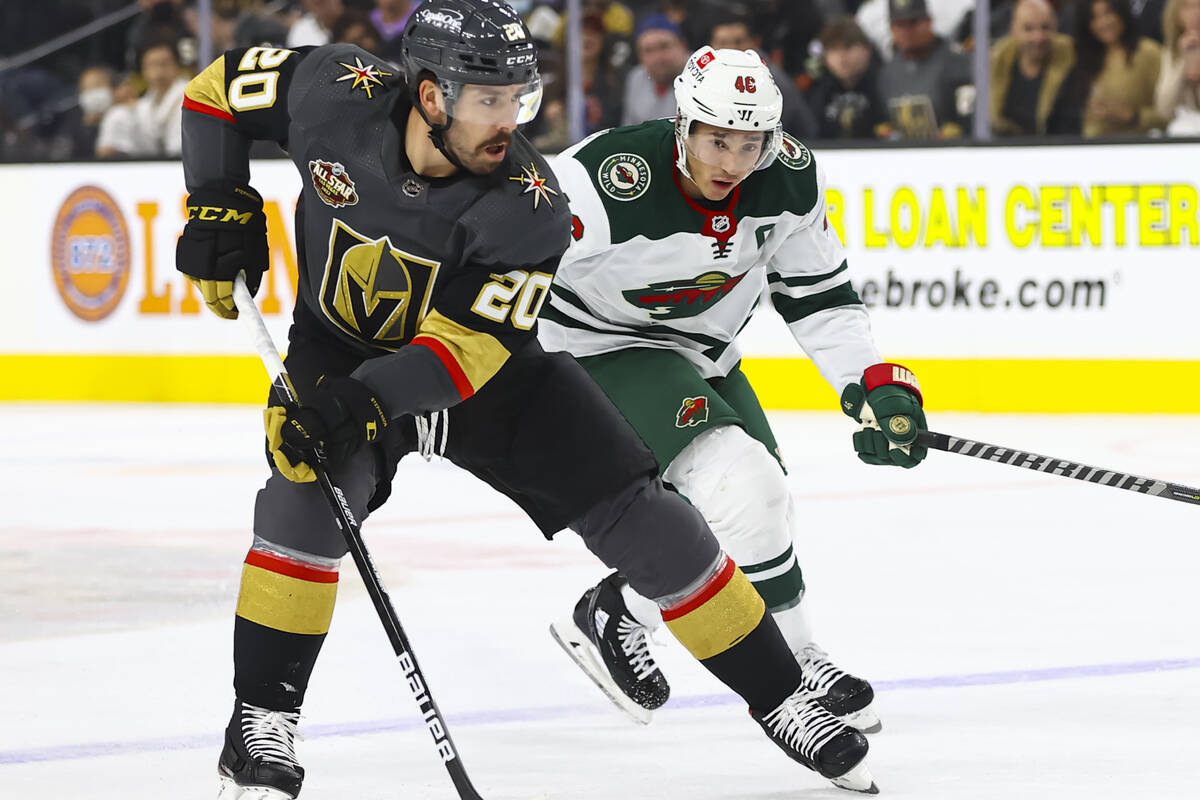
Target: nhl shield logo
(624, 176)
(720, 224)
(693, 411)
(793, 154)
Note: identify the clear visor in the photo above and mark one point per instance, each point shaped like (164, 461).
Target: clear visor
(492, 106)
(735, 153)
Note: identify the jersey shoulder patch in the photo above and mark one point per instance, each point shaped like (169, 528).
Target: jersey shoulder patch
(792, 154)
(789, 184)
(523, 217)
(624, 163)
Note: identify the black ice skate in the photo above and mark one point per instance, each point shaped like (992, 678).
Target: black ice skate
(607, 643)
(259, 758)
(808, 733)
(842, 694)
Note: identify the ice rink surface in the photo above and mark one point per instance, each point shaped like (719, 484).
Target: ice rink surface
(1028, 636)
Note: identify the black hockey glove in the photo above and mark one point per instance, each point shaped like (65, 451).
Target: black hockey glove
(887, 401)
(226, 232)
(339, 417)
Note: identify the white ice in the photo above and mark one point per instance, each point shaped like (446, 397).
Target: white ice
(1071, 608)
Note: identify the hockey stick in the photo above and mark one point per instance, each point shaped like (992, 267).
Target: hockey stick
(1058, 466)
(285, 392)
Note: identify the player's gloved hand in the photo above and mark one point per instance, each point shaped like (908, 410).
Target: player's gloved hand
(887, 401)
(226, 232)
(338, 418)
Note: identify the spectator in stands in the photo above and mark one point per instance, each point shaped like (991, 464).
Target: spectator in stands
(649, 87)
(694, 18)
(1035, 86)
(156, 130)
(874, 17)
(733, 30)
(315, 25)
(95, 91)
(845, 95)
(1177, 96)
(927, 85)
(1119, 68)
(354, 26)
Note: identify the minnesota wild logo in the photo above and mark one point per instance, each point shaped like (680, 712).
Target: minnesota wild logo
(693, 411)
(679, 299)
(624, 176)
(793, 154)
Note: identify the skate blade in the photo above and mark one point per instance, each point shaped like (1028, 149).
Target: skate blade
(865, 720)
(857, 779)
(584, 654)
(229, 790)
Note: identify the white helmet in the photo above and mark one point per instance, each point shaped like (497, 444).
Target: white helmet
(728, 89)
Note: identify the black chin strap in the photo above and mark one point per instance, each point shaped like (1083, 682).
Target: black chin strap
(437, 132)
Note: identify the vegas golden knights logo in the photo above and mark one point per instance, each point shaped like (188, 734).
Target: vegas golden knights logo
(373, 291)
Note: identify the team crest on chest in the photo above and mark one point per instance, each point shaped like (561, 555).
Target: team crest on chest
(365, 76)
(693, 411)
(333, 184)
(624, 176)
(679, 299)
(374, 291)
(533, 181)
(793, 154)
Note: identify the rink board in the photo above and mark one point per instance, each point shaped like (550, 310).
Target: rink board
(1009, 279)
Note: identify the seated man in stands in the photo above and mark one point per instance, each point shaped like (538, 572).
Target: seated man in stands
(1035, 86)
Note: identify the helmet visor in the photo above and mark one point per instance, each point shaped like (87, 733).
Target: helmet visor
(493, 106)
(731, 151)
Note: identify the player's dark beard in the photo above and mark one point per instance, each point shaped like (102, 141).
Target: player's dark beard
(471, 158)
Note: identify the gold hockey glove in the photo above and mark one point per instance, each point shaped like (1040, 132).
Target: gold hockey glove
(341, 416)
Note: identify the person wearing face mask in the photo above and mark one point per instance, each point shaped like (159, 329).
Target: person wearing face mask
(94, 92)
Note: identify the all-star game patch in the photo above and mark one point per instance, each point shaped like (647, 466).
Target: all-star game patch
(333, 183)
(793, 154)
(624, 176)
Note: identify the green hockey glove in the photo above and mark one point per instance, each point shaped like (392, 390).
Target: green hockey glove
(887, 401)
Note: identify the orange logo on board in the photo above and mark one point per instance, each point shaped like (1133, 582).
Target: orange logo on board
(89, 253)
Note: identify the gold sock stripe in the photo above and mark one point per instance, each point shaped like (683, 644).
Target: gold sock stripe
(719, 616)
(276, 594)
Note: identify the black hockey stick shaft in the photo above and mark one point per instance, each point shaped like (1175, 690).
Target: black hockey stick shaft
(285, 392)
(1059, 466)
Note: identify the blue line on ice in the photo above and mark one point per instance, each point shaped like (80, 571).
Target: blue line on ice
(98, 749)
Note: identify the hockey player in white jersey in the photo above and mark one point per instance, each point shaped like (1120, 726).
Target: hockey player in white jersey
(678, 227)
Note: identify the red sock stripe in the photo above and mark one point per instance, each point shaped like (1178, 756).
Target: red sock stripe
(204, 108)
(291, 567)
(705, 593)
(465, 389)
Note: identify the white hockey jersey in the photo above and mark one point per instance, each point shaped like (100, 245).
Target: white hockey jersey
(650, 267)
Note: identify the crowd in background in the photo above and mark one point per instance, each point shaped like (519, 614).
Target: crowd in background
(848, 69)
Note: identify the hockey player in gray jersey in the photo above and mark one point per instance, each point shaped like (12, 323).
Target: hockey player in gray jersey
(678, 226)
(428, 232)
